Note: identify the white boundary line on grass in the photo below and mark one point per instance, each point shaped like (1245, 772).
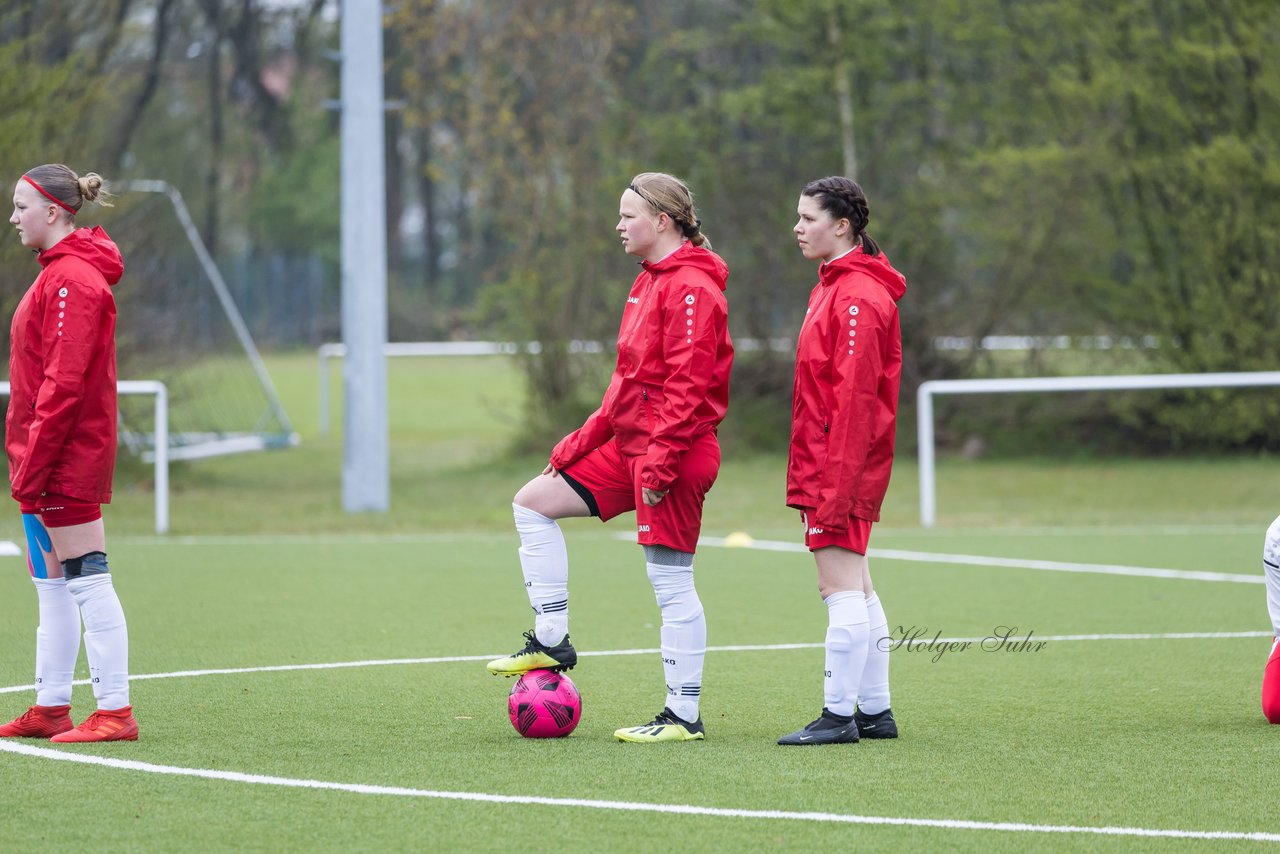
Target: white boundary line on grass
(449, 659)
(1013, 563)
(314, 539)
(1139, 530)
(459, 536)
(684, 809)
(628, 806)
(759, 545)
(631, 806)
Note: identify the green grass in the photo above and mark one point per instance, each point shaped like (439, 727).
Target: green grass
(264, 569)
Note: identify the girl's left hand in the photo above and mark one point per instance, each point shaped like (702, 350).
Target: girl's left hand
(653, 496)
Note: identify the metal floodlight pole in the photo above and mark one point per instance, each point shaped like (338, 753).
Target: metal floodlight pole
(365, 456)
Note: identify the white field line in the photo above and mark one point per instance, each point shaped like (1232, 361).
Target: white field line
(1078, 530)
(437, 537)
(1012, 563)
(627, 806)
(774, 647)
(719, 542)
(317, 539)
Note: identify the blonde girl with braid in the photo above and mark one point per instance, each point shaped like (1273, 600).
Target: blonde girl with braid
(651, 447)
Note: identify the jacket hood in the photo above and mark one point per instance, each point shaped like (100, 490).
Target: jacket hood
(697, 257)
(875, 266)
(91, 245)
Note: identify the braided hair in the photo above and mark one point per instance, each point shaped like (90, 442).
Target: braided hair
(844, 199)
(667, 194)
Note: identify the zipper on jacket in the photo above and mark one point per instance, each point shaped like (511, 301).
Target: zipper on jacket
(826, 428)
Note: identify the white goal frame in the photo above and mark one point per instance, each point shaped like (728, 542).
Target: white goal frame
(428, 348)
(213, 445)
(928, 390)
(160, 457)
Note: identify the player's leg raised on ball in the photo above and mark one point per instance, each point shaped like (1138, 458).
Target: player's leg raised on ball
(536, 656)
(544, 562)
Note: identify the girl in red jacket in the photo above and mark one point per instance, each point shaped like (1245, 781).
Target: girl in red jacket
(651, 447)
(844, 406)
(60, 435)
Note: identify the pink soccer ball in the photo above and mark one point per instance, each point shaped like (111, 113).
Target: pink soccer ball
(544, 704)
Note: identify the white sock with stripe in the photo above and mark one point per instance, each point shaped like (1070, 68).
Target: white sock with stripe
(684, 627)
(57, 642)
(544, 560)
(846, 647)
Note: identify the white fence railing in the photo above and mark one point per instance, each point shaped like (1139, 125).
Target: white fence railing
(927, 391)
(161, 453)
(416, 348)
(478, 348)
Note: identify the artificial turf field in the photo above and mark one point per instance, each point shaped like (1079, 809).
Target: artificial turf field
(360, 716)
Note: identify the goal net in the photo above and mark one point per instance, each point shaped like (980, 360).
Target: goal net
(178, 324)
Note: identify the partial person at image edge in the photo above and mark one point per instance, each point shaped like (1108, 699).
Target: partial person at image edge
(1271, 573)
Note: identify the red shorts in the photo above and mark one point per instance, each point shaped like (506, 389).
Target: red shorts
(59, 511)
(854, 538)
(609, 483)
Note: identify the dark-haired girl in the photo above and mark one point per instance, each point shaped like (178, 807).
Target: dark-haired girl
(844, 407)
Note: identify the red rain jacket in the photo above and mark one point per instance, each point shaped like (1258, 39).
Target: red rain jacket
(60, 431)
(845, 401)
(671, 383)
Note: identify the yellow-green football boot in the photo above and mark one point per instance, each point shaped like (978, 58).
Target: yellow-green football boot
(536, 656)
(665, 727)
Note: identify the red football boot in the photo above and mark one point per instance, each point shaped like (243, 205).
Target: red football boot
(103, 725)
(1271, 686)
(39, 722)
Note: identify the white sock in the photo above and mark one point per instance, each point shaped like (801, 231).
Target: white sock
(684, 632)
(847, 639)
(106, 638)
(545, 563)
(57, 642)
(1271, 570)
(873, 692)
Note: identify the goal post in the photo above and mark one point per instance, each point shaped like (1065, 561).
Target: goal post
(160, 457)
(932, 388)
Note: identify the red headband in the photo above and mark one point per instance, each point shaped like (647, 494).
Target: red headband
(50, 196)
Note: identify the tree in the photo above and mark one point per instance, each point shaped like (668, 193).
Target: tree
(52, 97)
(516, 102)
(1167, 116)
